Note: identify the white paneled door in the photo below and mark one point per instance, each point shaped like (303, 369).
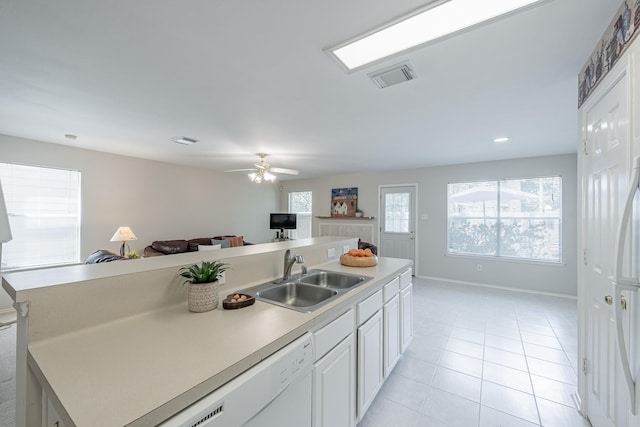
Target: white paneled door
(605, 177)
(397, 222)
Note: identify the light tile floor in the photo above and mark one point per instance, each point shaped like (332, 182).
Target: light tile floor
(483, 357)
(480, 357)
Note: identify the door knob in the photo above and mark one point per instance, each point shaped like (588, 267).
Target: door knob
(608, 299)
(623, 302)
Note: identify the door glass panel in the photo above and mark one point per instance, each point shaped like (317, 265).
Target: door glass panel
(396, 215)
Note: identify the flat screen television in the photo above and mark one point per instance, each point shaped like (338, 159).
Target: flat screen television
(280, 221)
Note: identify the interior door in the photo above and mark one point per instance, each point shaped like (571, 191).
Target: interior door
(605, 178)
(397, 222)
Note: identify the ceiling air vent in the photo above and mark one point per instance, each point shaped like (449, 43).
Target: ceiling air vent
(183, 140)
(393, 75)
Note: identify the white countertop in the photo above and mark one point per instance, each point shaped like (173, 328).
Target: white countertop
(141, 369)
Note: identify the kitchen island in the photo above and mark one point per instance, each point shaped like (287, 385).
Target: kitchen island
(114, 344)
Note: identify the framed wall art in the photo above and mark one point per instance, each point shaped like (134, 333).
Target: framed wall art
(344, 202)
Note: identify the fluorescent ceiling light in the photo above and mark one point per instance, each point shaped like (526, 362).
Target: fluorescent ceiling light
(421, 27)
(501, 140)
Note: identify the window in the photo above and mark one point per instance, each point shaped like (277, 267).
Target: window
(44, 213)
(519, 218)
(300, 204)
(396, 215)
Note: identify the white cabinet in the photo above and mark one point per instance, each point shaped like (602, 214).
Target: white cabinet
(334, 373)
(391, 316)
(370, 361)
(351, 368)
(335, 387)
(391, 334)
(406, 317)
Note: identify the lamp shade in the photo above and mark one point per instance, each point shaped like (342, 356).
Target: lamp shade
(123, 234)
(5, 229)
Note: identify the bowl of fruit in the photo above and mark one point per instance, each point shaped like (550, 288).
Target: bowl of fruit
(359, 258)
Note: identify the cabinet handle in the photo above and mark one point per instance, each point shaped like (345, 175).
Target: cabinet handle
(623, 302)
(608, 299)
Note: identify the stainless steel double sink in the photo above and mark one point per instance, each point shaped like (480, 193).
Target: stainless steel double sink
(307, 292)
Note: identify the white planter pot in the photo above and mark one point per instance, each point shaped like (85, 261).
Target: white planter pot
(202, 297)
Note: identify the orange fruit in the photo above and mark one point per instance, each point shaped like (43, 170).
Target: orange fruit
(360, 252)
(368, 253)
(353, 252)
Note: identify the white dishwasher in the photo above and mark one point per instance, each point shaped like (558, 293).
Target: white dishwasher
(276, 392)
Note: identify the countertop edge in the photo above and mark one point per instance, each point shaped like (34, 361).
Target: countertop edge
(40, 356)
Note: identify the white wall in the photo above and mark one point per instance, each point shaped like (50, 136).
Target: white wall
(432, 233)
(159, 201)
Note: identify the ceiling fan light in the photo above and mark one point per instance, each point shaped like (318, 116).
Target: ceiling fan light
(252, 176)
(269, 177)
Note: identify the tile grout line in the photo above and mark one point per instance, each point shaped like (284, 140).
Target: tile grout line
(484, 348)
(526, 361)
(564, 351)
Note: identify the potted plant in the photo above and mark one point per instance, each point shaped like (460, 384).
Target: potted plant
(359, 213)
(203, 284)
(132, 255)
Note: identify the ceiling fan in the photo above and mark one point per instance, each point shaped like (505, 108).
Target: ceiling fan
(263, 171)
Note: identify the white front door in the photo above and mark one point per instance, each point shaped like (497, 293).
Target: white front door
(604, 180)
(397, 222)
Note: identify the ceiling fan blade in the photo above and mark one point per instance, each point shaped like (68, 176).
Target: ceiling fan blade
(241, 170)
(287, 171)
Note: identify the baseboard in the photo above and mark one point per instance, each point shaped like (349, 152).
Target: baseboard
(8, 311)
(504, 288)
(7, 317)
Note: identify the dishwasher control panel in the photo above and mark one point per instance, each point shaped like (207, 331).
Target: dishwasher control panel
(298, 361)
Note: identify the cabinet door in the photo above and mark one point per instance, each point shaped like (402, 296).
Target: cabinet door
(335, 387)
(370, 361)
(406, 315)
(391, 334)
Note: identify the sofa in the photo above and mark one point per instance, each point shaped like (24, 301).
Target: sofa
(103, 255)
(170, 247)
(366, 245)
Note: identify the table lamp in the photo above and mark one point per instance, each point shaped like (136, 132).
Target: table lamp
(123, 234)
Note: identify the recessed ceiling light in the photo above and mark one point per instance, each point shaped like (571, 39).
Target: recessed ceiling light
(71, 136)
(501, 140)
(422, 26)
(184, 140)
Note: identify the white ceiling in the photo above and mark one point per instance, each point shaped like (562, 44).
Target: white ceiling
(251, 76)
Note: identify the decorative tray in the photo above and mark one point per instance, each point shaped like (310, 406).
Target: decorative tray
(358, 261)
(234, 301)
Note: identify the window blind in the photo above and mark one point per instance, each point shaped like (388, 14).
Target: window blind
(44, 213)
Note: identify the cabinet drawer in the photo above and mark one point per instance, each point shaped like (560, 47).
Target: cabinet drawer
(330, 335)
(391, 289)
(405, 279)
(368, 307)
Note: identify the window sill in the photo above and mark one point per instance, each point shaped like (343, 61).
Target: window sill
(507, 259)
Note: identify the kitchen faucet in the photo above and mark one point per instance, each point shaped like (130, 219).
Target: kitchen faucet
(288, 263)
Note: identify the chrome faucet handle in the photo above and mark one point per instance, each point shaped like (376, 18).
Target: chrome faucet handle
(299, 259)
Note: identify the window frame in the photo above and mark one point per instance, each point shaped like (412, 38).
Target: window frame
(498, 218)
(305, 214)
(76, 247)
